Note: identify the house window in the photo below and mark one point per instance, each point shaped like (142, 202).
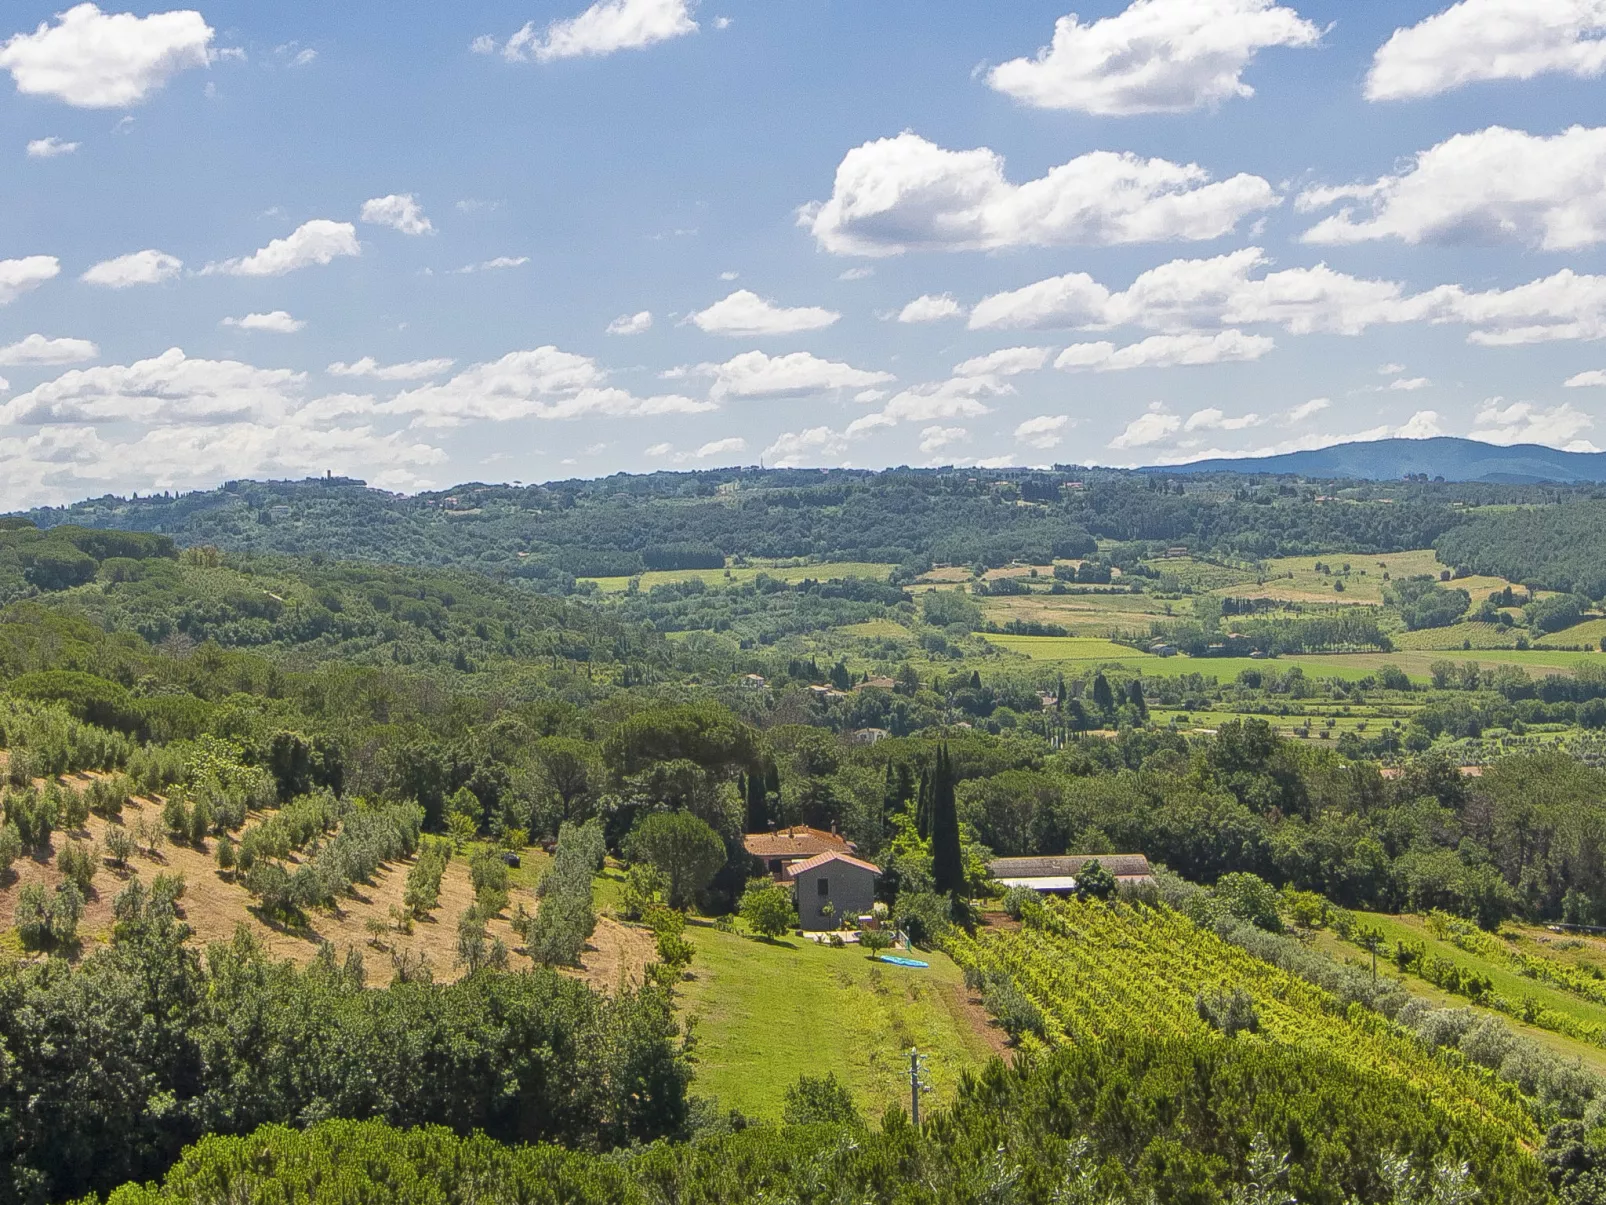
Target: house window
(775, 866)
(824, 886)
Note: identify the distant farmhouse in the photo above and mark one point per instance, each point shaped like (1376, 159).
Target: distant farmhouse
(831, 884)
(1057, 875)
(832, 887)
(779, 848)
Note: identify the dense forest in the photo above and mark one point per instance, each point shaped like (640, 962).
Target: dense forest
(1558, 547)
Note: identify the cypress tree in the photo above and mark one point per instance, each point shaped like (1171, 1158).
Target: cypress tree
(1134, 695)
(923, 807)
(1103, 696)
(947, 862)
(758, 812)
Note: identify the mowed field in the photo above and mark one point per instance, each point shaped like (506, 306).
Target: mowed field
(764, 1012)
(737, 576)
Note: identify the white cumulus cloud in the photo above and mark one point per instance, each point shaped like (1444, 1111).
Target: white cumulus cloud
(399, 211)
(97, 60)
(37, 349)
(957, 397)
(931, 307)
(1490, 40)
(1493, 185)
(1299, 413)
(1156, 56)
(1045, 431)
(605, 28)
(50, 148)
(277, 322)
(148, 267)
(1165, 351)
(1424, 424)
(1593, 376)
(1005, 362)
(631, 324)
(1525, 423)
(544, 383)
(935, 439)
(407, 370)
(721, 447)
(794, 449)
(745, 314)
(1213, 419)
(1151, 427)
(19, 276)
(1408, 384)
(799, 374)
(170, 387)
(313, 243)
(905, 193)
(492, 265)
(1184, 295)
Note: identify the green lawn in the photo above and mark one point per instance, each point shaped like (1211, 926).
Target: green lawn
(765, 1013)
(728, 577)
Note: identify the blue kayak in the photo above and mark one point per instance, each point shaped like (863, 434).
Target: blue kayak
(898, 961)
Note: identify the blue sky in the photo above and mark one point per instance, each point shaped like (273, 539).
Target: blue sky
(423, 244)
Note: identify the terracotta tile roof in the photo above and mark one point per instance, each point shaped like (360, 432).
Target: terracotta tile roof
(797, 868)
(1122, 866)
(799, 841)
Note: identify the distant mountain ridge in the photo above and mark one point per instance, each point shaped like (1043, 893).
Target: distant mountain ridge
(1444, 456)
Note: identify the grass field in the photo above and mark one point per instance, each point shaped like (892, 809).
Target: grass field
(1507, 982)
(1458, 635)
(1296, 579)
(1069, 648)
(767, 1012)
(876, 629)
(728, 577)
(1590, 632)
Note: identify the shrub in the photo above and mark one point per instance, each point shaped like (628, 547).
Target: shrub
(31, 917)
(423, 891)
(767, 908)
(644, 890)
(72, 806)
(923, 915)
(32, 814)
(1016, 1012)
(77, 863)
(10, 847)
(1249, 897)
(65, 912)
(120, 845)
(176, 818)
(107, 796)
(819, 1100)
(875, 940)
(1230, 1012)
(557, 933)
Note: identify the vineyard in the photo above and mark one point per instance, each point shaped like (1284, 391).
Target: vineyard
(1090, 973)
